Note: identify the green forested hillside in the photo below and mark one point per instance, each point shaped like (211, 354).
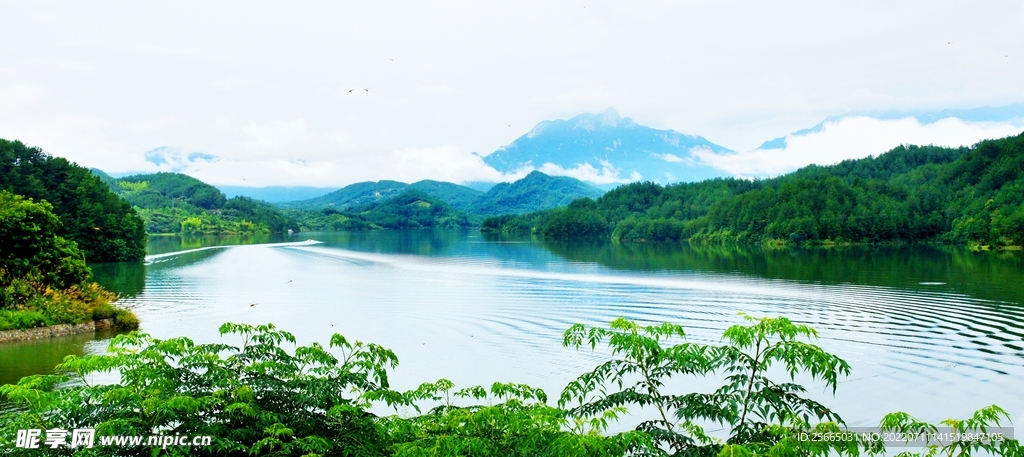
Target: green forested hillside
(351, 196)
(160, 190)
(413, 209)
(177, 203)
(364, 193)
(459, 197)
(534, 192)
(103, 225)
(410, 209)
(910, 194)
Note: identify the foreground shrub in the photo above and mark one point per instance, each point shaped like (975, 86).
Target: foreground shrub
(257, 398)
(760, 411)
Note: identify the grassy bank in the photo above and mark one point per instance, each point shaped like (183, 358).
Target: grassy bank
(42, 306)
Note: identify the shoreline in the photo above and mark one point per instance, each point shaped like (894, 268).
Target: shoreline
(51, 331)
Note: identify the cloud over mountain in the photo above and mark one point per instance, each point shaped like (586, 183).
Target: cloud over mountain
(853, 136)
(606, 148)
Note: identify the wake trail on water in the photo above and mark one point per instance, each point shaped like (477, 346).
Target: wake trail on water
(149, 259)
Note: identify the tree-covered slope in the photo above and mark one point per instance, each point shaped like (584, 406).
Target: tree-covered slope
(104, 226)
(351, 196)
(534, 192)
(459, 197)
(909, 194)
(409, 209)
(160, 190)
(413, 209)
(362, 193)
(177, 203)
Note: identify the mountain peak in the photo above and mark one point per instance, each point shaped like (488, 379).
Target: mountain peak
(610, 118)
(591, 121)
(605, 147)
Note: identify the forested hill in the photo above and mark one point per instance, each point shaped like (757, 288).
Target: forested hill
(103, 225)
(177, 203)
(910, 194)
(160, 190)
(533, 192)
(363, 193)
(409, 209)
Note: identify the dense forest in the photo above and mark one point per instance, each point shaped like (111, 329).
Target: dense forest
(534, 192)
(409, 209)
(103, 225)
(910, 194)
(177, 203)
(431, 204)
(44, 279)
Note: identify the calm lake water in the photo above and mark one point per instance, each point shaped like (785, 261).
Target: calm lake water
(934, 332)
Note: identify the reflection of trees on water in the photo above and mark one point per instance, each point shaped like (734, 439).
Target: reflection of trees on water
(425, 242)
(161, 244)
(21, 358)
(988, 275)
(126, 279)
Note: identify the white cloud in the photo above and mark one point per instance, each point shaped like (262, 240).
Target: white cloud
(446, 163)
(239, 85)
(853, 138)
(671, 158)
(277, 136)
(586, 172)
(271, 86)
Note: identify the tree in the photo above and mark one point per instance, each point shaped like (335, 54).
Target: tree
(33, 251)
(44, 277)
(762, 414)
(104, 226)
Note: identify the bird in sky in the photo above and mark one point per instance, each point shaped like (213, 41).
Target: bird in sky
(254, 304)
(289, 280)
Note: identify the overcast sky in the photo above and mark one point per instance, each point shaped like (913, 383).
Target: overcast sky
(277, 92)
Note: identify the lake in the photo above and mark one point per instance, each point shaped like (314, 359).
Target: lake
(937, 332)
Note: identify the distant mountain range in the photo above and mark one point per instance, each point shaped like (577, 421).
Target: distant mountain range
(604, 150)
(608, 148)
(1010, 112)
(276, 194)
(534, 192)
